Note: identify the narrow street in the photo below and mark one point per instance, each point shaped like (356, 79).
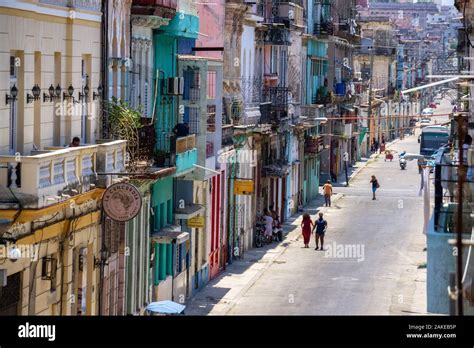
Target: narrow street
(385, 275)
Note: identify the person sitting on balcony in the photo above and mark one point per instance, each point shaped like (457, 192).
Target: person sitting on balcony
(181, 130)
(76, 142)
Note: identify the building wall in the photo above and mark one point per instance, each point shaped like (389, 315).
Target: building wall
(74, 287)
(48, 47)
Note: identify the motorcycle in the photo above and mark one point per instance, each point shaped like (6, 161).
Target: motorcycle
(277, 231)
(402, 161)
(261, 237)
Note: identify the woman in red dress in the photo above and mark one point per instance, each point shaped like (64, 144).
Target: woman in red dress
(306, 226)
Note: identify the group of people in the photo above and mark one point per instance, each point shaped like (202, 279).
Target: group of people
(270, 217)
(376, 145)
(319, 227)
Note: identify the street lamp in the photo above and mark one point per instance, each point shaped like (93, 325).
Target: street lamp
(83, 96)
(12, 96)
(49, 97)
(98, 94)
(70, 92)
(102, 261)
(36, 90)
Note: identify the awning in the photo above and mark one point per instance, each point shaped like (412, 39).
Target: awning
(362, 134)
(169, 234)
(189, 211)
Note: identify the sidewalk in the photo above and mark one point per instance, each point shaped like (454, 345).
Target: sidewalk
(220, 294)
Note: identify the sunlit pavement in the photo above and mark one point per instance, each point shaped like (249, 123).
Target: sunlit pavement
(374, 261)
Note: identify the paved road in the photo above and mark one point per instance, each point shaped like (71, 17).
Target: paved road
(379, 270)
(383, 277)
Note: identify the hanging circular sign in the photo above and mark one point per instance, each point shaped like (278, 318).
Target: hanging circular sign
(122, 202)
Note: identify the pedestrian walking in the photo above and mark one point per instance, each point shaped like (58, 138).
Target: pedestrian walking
(306, 225)
(375, 186)
(327, 191)
(320, 226)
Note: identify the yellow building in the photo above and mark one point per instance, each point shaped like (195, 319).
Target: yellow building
(50, 195)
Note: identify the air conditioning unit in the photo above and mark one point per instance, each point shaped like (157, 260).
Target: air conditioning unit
(173, 86)
(180, 85)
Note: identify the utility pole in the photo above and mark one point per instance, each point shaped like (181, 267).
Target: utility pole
(369, 109)
(459, 217)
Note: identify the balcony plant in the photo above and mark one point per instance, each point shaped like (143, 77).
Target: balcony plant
(124, 123)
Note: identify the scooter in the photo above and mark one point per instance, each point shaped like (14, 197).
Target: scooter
(403, 163)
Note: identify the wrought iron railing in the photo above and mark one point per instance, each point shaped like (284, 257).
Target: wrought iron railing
(278, 96)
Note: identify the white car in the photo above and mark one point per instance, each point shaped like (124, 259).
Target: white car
(427, 112)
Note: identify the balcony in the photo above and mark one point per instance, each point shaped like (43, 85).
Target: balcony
(313, 146)
(55, 174)
(87, 5)
(186, 154)
(324, 28)
(277, 36)
(322, 97)
(159, 8)
(288, 13)
(277, 96)
(110, 159)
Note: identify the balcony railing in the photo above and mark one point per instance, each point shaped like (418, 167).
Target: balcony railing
(313, 145)
(184, 144)
(278, 96)
(88, 5)
(324, 28)
(288, 12)
(53, 175)
(277, 36)
(111, 158)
